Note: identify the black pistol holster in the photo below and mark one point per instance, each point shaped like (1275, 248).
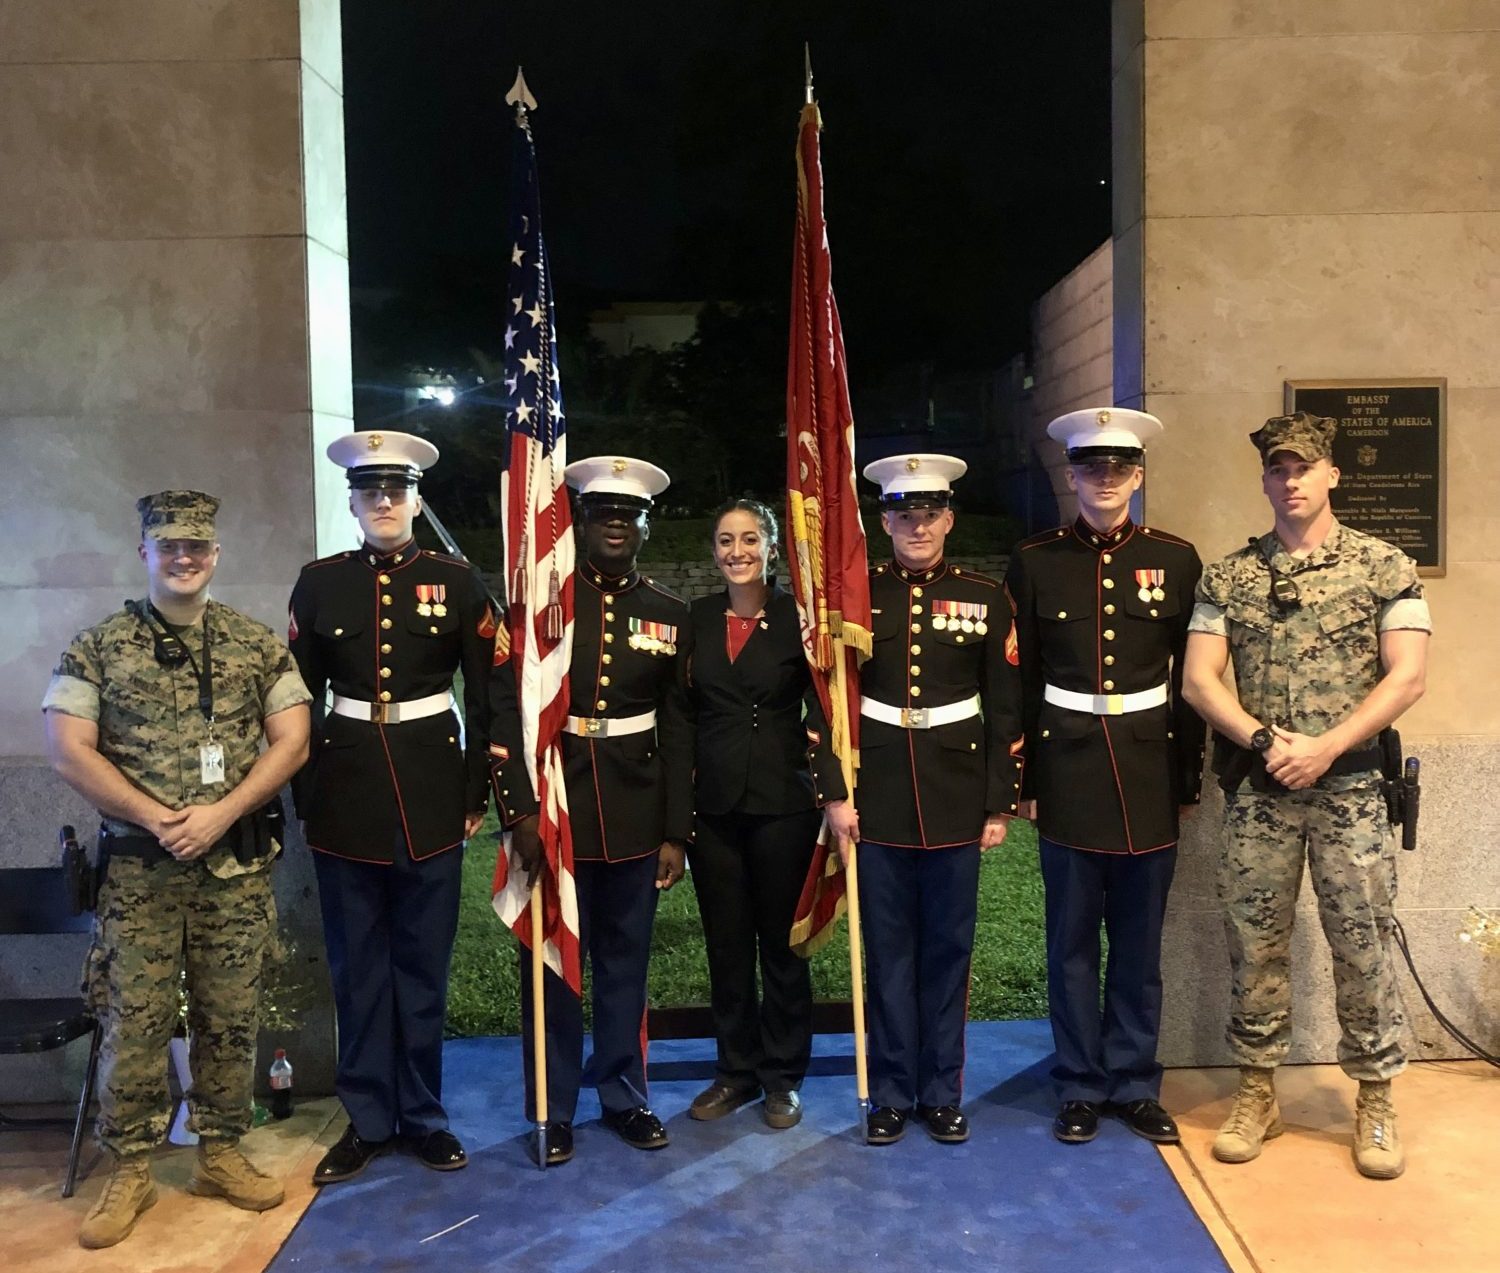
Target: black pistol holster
(1390, 776)
(1400, 784)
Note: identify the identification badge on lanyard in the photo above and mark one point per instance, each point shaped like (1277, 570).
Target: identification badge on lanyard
(211, 762)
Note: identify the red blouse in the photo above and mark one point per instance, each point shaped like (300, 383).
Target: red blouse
(737, 632)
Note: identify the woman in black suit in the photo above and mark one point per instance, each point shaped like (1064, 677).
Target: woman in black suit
(757, 817)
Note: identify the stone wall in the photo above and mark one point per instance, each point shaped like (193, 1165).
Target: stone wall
(173, 313)
(1072, 358)
(1310, 189)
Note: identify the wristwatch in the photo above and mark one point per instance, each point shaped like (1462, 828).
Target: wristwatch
(1261, 739)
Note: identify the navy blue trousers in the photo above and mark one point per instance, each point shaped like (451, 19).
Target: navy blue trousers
(616, 908)
(389, 932)
(918, 909)
(1108, 1054)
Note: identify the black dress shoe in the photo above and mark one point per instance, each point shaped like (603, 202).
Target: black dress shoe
(439, 1150)
(885, 1125)
(1076, 1122)
(945, 1123)
(559, 1144)
(348, 1158)
(782, 1110)
(1147, 1118)
(639, 1127)
(720, 1099)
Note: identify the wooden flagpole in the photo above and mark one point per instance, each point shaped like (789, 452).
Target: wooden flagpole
(520, 97)
(539, 1021)
(838, 693)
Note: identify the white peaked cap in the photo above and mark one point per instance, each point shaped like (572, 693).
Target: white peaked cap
(380, 448)
(905, 477)
(1111, 428)
(616, 475)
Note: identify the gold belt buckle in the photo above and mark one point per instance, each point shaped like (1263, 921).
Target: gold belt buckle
(593, 725)
(914, 717)
(380, 713)
(1114, 705)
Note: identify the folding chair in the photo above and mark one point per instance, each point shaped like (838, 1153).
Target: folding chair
(39, 900)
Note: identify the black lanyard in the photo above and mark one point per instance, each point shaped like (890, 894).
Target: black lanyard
(205, 674)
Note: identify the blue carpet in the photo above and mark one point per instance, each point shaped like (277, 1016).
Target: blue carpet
(733, 1194)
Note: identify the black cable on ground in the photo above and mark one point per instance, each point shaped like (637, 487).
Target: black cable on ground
(1432, 1007)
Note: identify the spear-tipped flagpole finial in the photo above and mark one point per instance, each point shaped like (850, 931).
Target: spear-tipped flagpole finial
(520, 96)
(807, 71)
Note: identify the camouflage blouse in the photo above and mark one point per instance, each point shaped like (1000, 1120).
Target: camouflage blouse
(1306, 663)
(150, 724)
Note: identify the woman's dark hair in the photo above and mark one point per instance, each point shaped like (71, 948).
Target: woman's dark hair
(761, 512)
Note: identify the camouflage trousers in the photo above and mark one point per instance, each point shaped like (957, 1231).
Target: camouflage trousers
(1345, 839)
(159, 929)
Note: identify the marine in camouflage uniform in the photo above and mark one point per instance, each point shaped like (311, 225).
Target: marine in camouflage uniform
(1307, 634)
(206, 914)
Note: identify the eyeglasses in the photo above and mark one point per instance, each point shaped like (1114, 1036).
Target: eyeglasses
(599, 514)
(370, 497)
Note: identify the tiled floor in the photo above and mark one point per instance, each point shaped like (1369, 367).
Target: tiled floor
(1303, 1206)
(181, 1234)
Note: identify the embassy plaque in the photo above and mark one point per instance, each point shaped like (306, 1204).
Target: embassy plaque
(1389, 453)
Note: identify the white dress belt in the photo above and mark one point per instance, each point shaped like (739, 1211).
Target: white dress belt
(392, 713)
(1106, 704)
(919, 717)
(610, 726)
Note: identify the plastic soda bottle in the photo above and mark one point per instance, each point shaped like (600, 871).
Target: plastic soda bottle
(281, 1085)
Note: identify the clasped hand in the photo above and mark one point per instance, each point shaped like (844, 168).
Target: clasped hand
(1295, 760)
(190, 833)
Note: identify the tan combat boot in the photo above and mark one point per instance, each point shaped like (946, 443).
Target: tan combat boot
(1254, 1119)
(1377, 1145)
(128, 1194)
(223, 1172)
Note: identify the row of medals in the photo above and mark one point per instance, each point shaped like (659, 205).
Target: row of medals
(1151, 594)
(651, 644)
(941, 623)
(427, 611)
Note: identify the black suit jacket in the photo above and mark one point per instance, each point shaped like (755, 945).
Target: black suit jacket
(628, 794)
(1107, 783)
(355, 626)
(755, 754)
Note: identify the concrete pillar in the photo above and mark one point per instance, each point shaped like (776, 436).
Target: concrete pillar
(173, 313)
(1072, 358)
(1311, 189)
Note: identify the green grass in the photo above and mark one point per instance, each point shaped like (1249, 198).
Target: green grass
(1009, 978)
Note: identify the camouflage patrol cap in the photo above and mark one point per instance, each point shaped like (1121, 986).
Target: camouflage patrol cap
(177, 515)
(1308, 436)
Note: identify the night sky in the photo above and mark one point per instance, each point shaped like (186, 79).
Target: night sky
(965, 147)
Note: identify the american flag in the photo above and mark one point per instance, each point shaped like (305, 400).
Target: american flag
(826, 555)
(538, 527)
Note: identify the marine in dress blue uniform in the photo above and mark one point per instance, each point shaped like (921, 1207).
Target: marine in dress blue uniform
(939, 777)
(1102, 608)
(628, 764)
(395, 784)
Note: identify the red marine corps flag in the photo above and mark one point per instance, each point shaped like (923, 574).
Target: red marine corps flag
(826, 552)
(826, 556)
(538, 529)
